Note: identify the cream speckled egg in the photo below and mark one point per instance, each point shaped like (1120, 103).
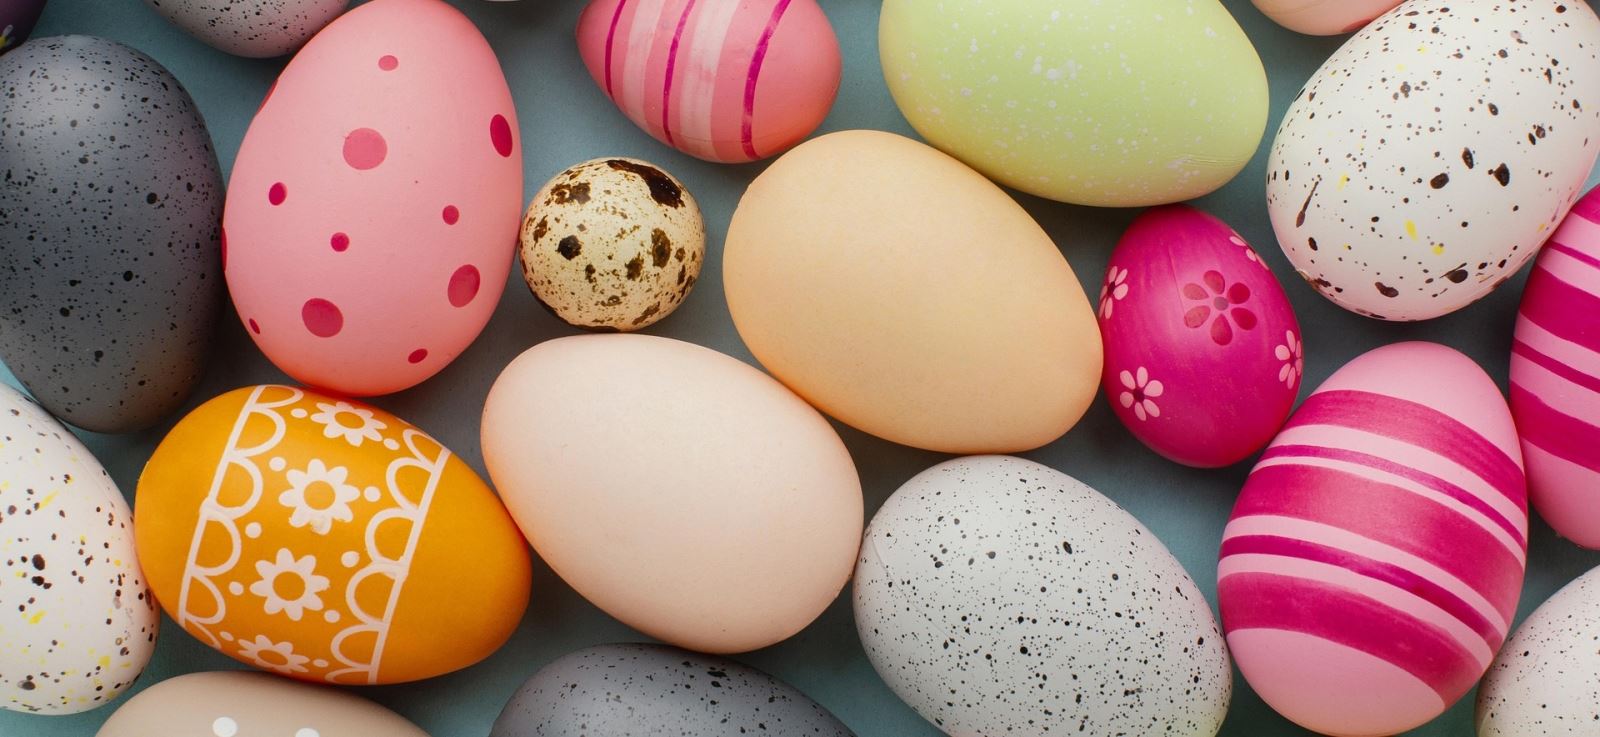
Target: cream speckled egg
(1546, 682)
(612, 244)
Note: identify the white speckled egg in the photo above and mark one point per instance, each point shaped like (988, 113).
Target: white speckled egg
(999, 596)
(1546, 681)
(1429, 157)
(612, 244)
(77, 624)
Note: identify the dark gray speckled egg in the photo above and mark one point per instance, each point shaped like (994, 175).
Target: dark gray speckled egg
(253, 28)
(1546, 680)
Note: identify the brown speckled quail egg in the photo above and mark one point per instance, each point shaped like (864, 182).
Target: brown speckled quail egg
(612, 244)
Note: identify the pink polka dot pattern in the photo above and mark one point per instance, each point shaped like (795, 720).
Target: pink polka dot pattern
(340, 242)
(451, 215)
(417, 356)
(224, 240)
(254, 328)
(277, 194)
(387, 62)
(322, 317)
(500, 134)
(365, 149)
(464, 285)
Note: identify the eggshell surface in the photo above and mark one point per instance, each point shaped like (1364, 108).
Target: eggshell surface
(722, 81)
(1547, 679)
(682, 491)
(1372, 563)
(1427, 159)
(78, 624)
(373, 210)
(938, 316)
(327, 541)
(1324, 17)
(250, 704)
(254, 28)
(996, 595)
(16, 22)
(1203, 354)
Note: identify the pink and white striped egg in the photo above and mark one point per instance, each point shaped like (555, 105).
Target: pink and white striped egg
(374, 206)
(1203, 354)
(1555, 376)
(722, 81)
(1372, 563)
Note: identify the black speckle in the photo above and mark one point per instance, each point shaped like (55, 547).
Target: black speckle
(1502, 174)
(569, 247)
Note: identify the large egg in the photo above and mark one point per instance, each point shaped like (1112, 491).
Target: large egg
(938, 315)
(325, 540)
(374, 206)
(999, 596)
(233, 703)
(1546, 682)
(16, 21)
(110, 279)
(254, 28)
(1324, 17)
(722, 81)
(79, 624)
(1428, 158)
(680, 490)
(1371, 567)
(1203, 352)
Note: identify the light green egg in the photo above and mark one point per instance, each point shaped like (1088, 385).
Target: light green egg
(1115, 103)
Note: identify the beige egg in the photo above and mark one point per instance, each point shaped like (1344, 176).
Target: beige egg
(612, 244)
(239, 704)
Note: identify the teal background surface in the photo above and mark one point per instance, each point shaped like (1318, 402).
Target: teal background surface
(566, 119)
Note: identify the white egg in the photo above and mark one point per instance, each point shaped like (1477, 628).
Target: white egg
(1546, 681)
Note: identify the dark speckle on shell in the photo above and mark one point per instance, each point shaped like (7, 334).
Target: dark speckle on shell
(252, 28)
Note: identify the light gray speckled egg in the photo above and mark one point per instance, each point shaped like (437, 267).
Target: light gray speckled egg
(1546, 680)
(1434, 152)
(999, 596)
(110, 218)
(612, 244)
(639, 690)
(253, 28)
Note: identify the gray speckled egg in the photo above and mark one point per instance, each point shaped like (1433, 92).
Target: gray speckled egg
(110, 212)
(638, 690)
(999, 596)
(1430, 156)
(254, 28)
(612, 244)
(1546, 680)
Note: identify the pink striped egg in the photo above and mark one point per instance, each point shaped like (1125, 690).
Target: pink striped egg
(722, 80)
(1198, 336)
(1372, 563)
(1555, 376)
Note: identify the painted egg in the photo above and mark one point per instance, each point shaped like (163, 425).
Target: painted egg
(254, 28)
(79, 623)
(16, 22)
(1371, 567)
(1324, 17)
(110, 280)
(1555, 376)
(999, 596)
(722, 81)
(636, 689)
(1428, 158)
(369, 227)
(613, 244)
(1198, 336)
(1547, 678)
(682, 491)
(326, 540)
(954, 325)
(229, 703)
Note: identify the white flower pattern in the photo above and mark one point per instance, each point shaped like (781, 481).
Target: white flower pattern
(274, 656)
(332, 418)
(319, 496)
(1139, 391)
(1249, 253)
(1115, 289)
(305, 585)
(1291, 352)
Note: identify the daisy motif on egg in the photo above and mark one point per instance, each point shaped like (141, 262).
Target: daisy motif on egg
(319, 497)
(354, 424)
(1115, 288)
(1225, 299)
(303, 580)
(279, 657)
(1249, 253)
(1294, 360)
(1139, 391)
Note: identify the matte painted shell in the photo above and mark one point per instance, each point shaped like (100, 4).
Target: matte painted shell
(252, 28)
(1546, 682)
(1324, 17)
(250, 704)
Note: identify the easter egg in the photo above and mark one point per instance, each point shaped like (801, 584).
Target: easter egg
(612, 244)
(1115, 104)
(999, 596)
(1428, 158)
(1198, 336)
(680, 490)
(110, 279)
(78, 623)
(254, 28)
(938, 316)
(722, 81)
(235, 703)
(325, 540)
(372, 215)
(1546, 680)
(1372, 563)
(1324, 17)
(16, 22)
(636, 689)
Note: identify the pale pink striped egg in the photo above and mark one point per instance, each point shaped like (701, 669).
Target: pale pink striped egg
(1371, 567)
(1555, 376)
(720, 80)
(1203, 354)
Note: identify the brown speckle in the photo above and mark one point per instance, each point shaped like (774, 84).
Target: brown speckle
(1387, 290)
(635, 267)
(569, 247)
(662, 189)
(660, 248)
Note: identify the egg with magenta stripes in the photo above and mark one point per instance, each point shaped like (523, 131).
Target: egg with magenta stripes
(1371, 567)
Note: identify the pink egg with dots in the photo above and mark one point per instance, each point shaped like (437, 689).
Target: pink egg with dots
(373, 210)
(1203, 354)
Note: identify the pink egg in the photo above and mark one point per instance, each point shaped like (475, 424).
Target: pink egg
(1555, 376)
(1203, 356)
(722, 81)
(374, 205)
(1371, 566)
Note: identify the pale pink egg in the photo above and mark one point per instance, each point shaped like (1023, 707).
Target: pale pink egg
(374, 204)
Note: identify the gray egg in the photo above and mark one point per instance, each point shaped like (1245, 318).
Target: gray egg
(253, 28)
(638, 690)
(110, 214)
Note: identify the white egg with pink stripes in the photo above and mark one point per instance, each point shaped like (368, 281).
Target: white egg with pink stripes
(1371, 567)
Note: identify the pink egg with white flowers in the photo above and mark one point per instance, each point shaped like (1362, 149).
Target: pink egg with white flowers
(1372, 564)
(1203, 355)
(373, 209)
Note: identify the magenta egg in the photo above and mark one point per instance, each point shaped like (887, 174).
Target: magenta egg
(1372, 563)
(1203, 355)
